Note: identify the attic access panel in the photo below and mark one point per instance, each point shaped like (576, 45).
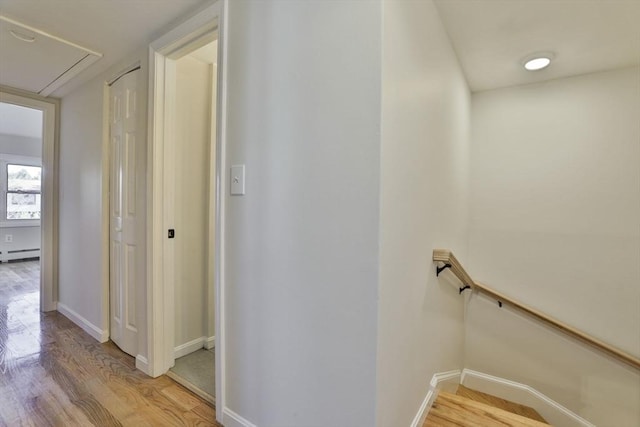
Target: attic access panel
(35, 61)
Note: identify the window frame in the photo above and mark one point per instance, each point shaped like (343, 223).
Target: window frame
(9, 159)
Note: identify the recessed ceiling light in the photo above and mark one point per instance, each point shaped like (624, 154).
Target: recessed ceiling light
(537, 64)
(537, 61)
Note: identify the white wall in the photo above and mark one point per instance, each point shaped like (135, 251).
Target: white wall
(193, 126)
(20, 145)
(302, 244)
(22, 238)
(424, 205)
(80, 208)
(555, 223)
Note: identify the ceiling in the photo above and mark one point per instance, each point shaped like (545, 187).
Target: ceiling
(492, 37)
(113, 28)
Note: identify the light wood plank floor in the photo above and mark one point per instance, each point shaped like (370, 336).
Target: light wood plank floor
(450, 410)
(497, 402)
(54, 374)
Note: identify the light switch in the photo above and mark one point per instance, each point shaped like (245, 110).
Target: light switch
(237, 180)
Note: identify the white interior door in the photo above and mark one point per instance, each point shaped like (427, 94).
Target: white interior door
(125, 220)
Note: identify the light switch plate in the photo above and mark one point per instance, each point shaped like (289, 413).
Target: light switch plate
(237, 180)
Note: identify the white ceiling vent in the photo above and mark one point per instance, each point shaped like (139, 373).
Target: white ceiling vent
(33, 60)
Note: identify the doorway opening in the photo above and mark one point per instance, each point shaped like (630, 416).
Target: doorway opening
(193, 210)
(20, 201)
(27, 232)
(169, 253)
(27, 186)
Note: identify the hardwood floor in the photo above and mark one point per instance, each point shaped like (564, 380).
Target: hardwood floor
(451, 410)
(54, 374)
(497, 402)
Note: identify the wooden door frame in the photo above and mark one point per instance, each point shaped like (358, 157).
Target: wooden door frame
(161, 170)
(49, 198)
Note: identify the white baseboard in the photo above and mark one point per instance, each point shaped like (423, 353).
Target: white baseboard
(231, 419)
(552, 411)
(189, 347)
(211, 343)
(436, 382)
(88, 327)
(142, 364)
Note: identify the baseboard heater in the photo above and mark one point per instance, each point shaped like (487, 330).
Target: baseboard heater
(19, 255)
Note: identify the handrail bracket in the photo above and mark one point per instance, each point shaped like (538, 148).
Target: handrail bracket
(441, 269)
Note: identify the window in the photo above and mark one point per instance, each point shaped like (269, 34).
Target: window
(20, 191)
(23, 192)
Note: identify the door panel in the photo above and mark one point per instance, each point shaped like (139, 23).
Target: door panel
(124, 221)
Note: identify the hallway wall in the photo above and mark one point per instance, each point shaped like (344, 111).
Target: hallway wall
(80, 245)
(302, 244)
(424, 205)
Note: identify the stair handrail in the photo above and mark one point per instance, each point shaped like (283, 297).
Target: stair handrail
(449, 260)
